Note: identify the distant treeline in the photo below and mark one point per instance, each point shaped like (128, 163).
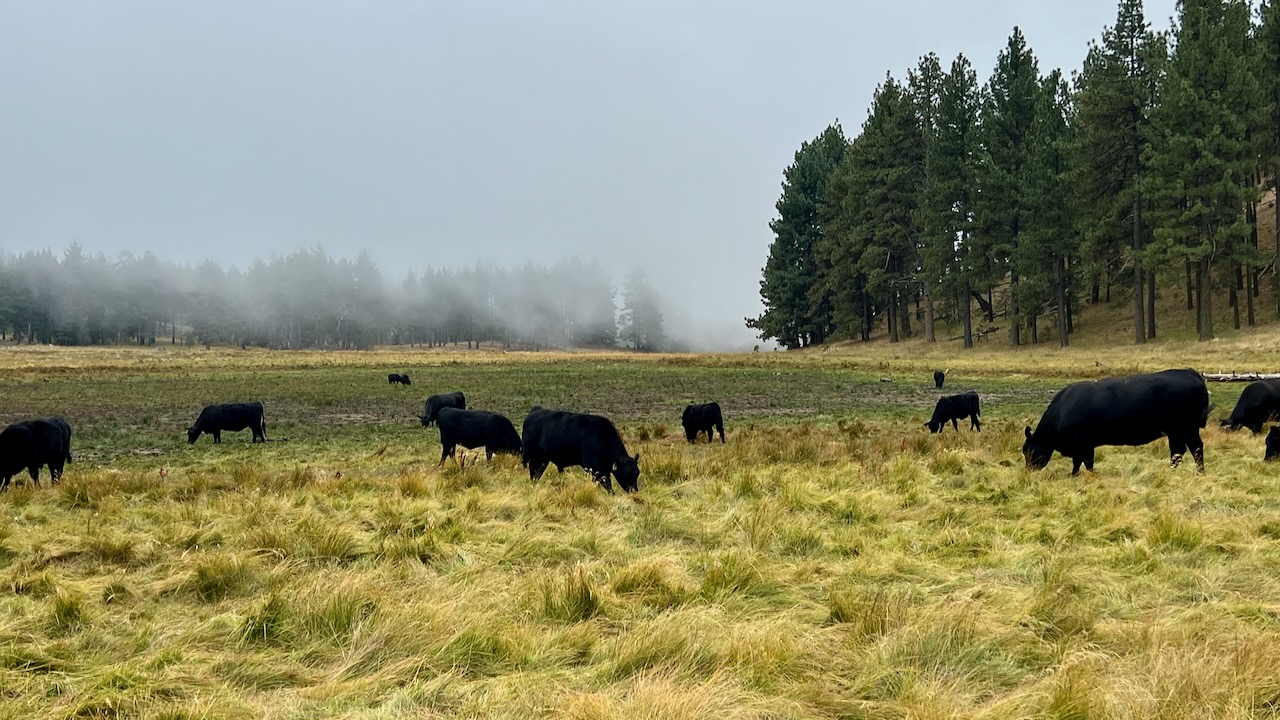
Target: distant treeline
(309, 299)
(1033, 193)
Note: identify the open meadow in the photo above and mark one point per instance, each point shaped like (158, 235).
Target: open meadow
(833, 560)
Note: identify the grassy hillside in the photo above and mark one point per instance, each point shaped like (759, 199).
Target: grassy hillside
(833, 560)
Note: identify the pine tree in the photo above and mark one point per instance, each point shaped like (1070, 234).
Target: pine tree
(1203, 159)
(1115, 94)
(792, 315)
(924, 85)
(641, 318)
(1267, 42)
(1047, 237)
(946, 214)
(869, 233)
(1008, 113)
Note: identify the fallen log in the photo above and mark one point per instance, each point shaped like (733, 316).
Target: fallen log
(1240, 377)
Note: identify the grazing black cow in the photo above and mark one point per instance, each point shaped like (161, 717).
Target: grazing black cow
(938, 377)
(1258, 404)
(954, 408)
(702, 418)
(232, 417)
(1133, 410)
(436, 403)
(32, 443)
(395, 378)
(566, 439)
(1273, 445)
(475, 428)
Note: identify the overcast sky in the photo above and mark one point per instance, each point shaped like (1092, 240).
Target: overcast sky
(650, 133)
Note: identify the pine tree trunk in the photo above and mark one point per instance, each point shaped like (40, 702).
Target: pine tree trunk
(966, 314)
(1275, 269)
(1187, 266)
(904, 319)
(891, 315)
(1151, 304)
(1067, 268)
(1139, 325)
(1206, 301)
(1233, 298)
(1060, 293)
(1095, 291)
(1015, 324)
(1249, 291)
(929, 335)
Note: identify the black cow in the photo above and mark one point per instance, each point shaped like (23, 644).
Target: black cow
(436, 403)
(566, 439)
(1133, 410)
(954, 408)
(475, 428)
(231, 417)
(1273, 445)
(1258, 404)
(702, 418)
(32, 443)
(395, 378)
(938, 377)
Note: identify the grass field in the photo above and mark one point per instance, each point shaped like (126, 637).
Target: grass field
(833, 560)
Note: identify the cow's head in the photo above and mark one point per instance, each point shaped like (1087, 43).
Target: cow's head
(627, 471)
(1273, 445)
(934, 426)
(426, 420)
(1035, 453)
(193, 434)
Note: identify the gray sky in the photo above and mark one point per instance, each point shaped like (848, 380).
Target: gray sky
(651, 133)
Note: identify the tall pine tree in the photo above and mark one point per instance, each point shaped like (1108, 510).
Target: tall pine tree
(790, 315)
(1267, 41)
(925, 84)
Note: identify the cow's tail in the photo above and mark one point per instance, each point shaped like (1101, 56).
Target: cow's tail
(1208, 408)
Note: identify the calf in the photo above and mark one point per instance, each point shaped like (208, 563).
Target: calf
(32, 443)
(436, 403)
(954, 408)
(1273, 445)
(395, 378)
(1258, 404)
(566, 439)
(231, 417)
(1133, 410)
(702, 418)
(474, 428)
(938, 377)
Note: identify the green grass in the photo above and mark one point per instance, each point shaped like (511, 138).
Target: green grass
(833, 560)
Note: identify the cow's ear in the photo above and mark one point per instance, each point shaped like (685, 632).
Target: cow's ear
(637, 457)
(1027, 431)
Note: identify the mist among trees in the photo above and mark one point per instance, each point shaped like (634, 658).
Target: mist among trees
(309, 299)
(1007, 204)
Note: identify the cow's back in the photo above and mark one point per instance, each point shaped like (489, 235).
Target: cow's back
(1131, 410)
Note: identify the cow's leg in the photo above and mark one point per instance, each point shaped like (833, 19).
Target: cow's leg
(445, 452)
(488, 455)
(1075, 465)
(720, 427)
(974, 424)
(604, 479)
(34, 472)
(1197, 450)
(55, 473)
(1088, 459)
(536, 469)
(955, 424)
(217, 436)
(1177, 447)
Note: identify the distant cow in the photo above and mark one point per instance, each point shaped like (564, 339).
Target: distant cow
(702, 418)
(395, 378)
(566, 439)
(1132, 410)
(938, 377)
(231, 417)
(1273, 445)
(954, 408)
(474, 428)
(436, 403)
(32, 443)
(1258, 404)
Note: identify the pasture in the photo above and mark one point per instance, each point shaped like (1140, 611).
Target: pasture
(833, 560)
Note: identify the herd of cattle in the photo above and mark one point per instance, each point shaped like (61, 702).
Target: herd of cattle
(1131, 410)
